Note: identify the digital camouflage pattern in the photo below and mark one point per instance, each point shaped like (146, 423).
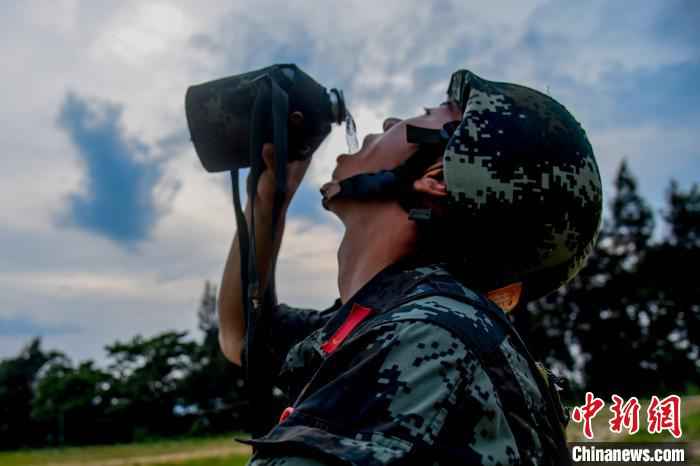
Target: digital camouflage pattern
(524, 185)
(435, 375)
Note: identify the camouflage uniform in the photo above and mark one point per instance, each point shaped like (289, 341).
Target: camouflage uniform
(432, 375)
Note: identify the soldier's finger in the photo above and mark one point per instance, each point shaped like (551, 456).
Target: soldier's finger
(268, 155)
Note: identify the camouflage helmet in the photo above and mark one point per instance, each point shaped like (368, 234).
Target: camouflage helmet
(525, 194)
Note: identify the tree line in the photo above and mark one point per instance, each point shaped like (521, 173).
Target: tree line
(627, 324)
(165, 385)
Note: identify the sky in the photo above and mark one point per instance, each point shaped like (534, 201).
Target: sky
(109, 225)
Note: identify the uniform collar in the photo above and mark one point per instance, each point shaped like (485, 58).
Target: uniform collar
(391, 282)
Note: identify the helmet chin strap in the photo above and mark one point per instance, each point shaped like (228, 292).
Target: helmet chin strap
(397, 183)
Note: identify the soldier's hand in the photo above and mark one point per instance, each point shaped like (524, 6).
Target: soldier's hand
(296, 170)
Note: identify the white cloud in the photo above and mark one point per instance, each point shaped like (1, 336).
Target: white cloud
(307, 269)
(144, 55)
(583, 41)
(135, 36)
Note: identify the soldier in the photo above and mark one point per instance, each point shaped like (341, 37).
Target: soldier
(451, 219)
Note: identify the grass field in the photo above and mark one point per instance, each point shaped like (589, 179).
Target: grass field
(223, 451)
(214, 451)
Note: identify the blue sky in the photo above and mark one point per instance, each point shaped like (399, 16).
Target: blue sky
(111, 225)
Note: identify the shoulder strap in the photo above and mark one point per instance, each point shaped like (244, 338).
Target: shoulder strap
(271, 101)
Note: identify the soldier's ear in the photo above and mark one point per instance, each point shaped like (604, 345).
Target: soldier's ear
(432, 181)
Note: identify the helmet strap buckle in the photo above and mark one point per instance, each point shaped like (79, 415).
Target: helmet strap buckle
(420, 215)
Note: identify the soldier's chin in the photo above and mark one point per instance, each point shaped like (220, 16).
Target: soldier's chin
(330, 204)
(326, 204)
(329, 198)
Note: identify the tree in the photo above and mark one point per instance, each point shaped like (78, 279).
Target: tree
(214, 386)
(72, 403)
(207, 314)
(674, 301)
(683, 216)
(17, 377)
(632, 220)
(148, 382)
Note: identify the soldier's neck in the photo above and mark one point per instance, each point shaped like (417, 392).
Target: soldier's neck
(370, 244)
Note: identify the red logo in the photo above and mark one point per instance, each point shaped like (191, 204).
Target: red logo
(664, 415)
(587, 412)
(625, 415)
